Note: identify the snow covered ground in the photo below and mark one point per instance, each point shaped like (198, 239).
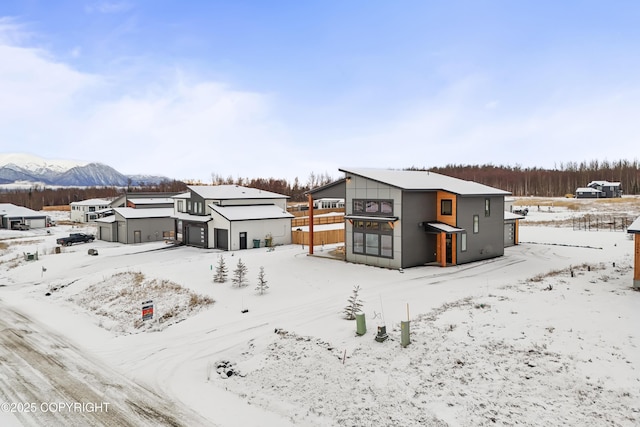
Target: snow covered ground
(545, 335)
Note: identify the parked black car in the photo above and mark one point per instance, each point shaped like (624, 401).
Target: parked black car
(75, 238)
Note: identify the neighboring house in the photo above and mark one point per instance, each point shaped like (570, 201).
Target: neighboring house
(89, 210)
(588, 193)
(634, 229)
(328, 203)
(231, 217)
(138, 200)
(599, 189)
(399, 219)
(129, 225)
(12, 216)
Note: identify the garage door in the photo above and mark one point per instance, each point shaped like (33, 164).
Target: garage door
(195, 235)
(222, 238)
(509, 234)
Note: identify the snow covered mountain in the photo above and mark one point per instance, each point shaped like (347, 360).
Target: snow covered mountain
(66, 173)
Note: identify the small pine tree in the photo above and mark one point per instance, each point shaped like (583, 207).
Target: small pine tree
(355, 304)
(262, 284)
(240, 275)
(221, 271)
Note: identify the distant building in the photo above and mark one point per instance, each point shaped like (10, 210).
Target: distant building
(12, 216)
(599, 189)
(89, 210)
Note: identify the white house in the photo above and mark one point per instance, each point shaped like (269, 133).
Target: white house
(231, 217)
(89, 210)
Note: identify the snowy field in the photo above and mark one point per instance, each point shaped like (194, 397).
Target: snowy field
(545, 335)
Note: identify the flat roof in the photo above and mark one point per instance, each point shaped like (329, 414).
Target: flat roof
(249, 212)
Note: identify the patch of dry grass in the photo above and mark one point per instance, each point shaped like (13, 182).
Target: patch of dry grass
(566, 272)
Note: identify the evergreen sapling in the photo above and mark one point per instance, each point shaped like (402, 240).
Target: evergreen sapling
(354, 306)
(262, 283)
(240, 275)
(221, 271)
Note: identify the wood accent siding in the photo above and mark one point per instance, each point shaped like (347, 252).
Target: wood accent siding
(446, 219)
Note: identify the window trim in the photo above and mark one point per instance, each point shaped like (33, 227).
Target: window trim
(449, 211)
(371, 228)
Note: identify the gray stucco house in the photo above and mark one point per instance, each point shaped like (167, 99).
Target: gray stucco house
(231, 217)
(400, 219)
(129, 225)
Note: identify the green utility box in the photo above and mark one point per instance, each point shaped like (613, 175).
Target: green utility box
(361, 324)
(256, 243)
(405, 339)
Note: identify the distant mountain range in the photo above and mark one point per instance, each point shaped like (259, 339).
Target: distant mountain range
(25, 168)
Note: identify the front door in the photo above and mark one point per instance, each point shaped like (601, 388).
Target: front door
(449, 248)
(137, 236)
(243, 240)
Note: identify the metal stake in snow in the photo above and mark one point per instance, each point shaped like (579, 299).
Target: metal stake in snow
(382, 329)
(405, 338)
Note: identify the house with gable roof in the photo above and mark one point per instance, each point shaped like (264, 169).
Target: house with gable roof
(231, 217)
(402, 218)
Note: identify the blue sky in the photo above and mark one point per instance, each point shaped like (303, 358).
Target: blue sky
(281, 89)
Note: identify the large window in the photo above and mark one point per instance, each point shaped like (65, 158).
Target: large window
(446, 207)
(373, 238)
(373, 207)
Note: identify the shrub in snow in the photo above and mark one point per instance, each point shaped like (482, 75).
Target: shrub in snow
(262, 284)
(221, 271)
(240, 274)
(354, 306)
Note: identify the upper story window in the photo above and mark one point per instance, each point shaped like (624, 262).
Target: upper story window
(446, 207)
(487, 207)
(180, 205)
(373, 206)
(476, 224)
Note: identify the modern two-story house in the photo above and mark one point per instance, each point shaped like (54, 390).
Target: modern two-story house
(231, 217)
(399, 218)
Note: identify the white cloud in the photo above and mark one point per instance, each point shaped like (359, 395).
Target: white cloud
(108, 7)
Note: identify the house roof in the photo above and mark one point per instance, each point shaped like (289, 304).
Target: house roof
(425, 181)
(511, 215)
(614, 184)
(587, 190)
(10, 211)
(227, 192)
(163, 200)
(191, 218)
(132, 213)
(440, 227)
(250, 212)
(634, 228)
(107, 219)
(91, 202)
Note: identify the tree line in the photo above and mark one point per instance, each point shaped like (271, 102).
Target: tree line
(563, 179)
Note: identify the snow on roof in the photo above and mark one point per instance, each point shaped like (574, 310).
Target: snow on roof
(186, 195)
(587, 190)
(11, 210)
(152, 201)
(91, 202)
(132, 213)
(224, 192)
(106, 219)
(242, 213)
(192, 218)
(425, 180)
(511, 215)
(603, 183)
(634, 227)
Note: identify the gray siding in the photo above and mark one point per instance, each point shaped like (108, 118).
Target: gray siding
(489, 241)
(418, 247)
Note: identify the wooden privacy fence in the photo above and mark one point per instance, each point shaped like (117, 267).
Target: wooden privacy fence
(323, 237)
(317, 220)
